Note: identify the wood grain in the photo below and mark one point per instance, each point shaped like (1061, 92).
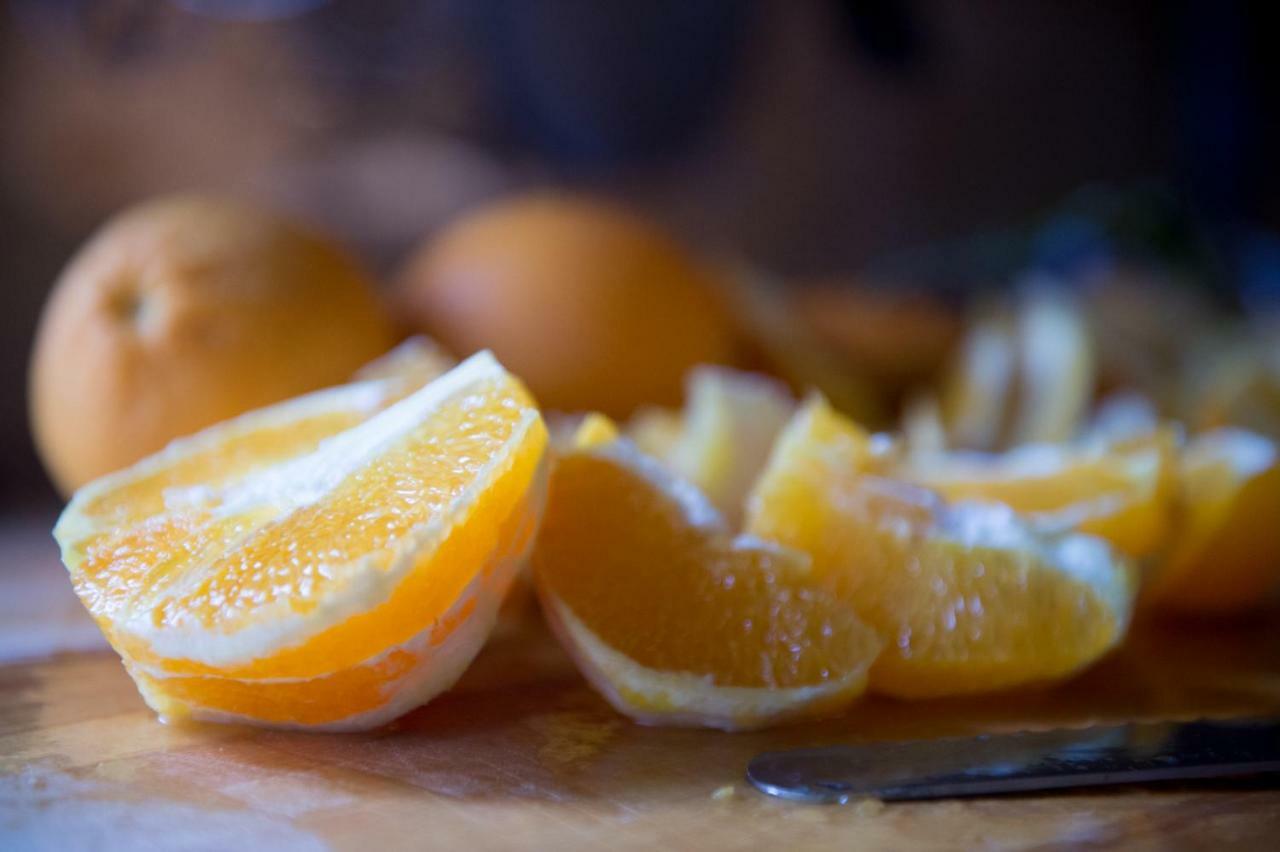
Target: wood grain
(522, 754)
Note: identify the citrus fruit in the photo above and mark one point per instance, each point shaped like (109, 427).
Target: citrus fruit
(655, 430)
(1056, 370)
(1124, 493)
(594, 306)
(1022, 376)
(182, 312)
(329, 562)
(923, 433)
(673, 618)
(978, 386)
(728, 425)
(966, 597)
(1225, 555)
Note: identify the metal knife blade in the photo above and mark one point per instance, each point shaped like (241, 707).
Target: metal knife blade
(1022, 762)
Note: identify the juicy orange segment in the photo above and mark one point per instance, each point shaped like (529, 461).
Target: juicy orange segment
(673, 619)
(1123, 493)
(967, 598)
(323, 567)
(1226, 554)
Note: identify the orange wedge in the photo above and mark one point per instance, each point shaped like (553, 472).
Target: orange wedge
(656, 431)
(1226, 553)
(309, 564)
(979, 385)
(1124, 492)
(1056, 370)
(1020, 378)
(967, 598)
(728, 425)
(674, 619)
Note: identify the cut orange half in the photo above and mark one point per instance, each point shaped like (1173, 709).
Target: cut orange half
(310, 564)
(674, 619)
(967, 598)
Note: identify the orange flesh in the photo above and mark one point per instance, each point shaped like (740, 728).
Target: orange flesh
(623, 557)
(1226, 556)
(955, 617)
(234, 572)
(222, 463)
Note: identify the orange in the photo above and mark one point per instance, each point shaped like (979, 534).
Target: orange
(593, 305)
(1021, 377)
(673, 618)
(328, 562)
(180, 313)
(967, 598)
(722, 438)
(1225, 555)
(1124, 492)
(978, 386)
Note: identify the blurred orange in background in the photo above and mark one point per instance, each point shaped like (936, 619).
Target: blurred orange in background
(592, 305)
(183, 312)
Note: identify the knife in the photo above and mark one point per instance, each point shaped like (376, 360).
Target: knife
(1023, 762)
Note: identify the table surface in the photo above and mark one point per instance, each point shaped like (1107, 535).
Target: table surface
(522, 754)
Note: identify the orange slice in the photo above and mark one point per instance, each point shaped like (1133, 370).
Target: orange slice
(1123, 493)
(672, 618)
(291, 568)
(728, 425)
(656, 431)
(1056, 370)
(966, 597)
(979, 385)
(1226, 554)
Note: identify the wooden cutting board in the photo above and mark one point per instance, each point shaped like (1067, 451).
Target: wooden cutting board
(522, 754)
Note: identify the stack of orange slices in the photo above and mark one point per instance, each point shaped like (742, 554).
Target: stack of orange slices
(328, 562)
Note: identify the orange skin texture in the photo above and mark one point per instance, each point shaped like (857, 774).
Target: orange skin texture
(183, 312)
(593, 306)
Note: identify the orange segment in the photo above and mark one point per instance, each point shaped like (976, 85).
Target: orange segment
(1226, 554)
(316, 566)
(967, 598)
(1123, 493)
(729, 423)
(980, 383)
(655, 430)
(1056, 370)
(673, 619)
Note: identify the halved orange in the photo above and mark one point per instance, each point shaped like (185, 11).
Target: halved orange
(674, 619)
(310, 564)
(1226, 553)
(967, 597)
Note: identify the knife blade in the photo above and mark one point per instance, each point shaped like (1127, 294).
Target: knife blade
(1134, 753)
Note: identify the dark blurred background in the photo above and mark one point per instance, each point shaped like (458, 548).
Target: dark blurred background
(955, 139)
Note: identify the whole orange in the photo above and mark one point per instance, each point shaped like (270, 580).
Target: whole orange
(594, 306)
(185, 311)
